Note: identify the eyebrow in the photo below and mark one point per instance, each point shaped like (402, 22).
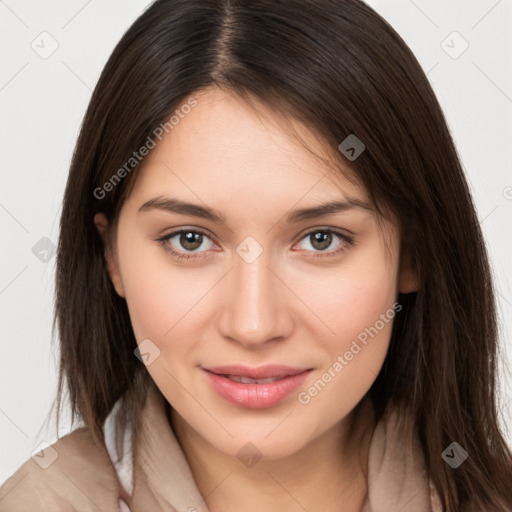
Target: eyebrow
(174, 205)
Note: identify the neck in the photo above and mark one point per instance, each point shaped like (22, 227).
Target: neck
(329, 471)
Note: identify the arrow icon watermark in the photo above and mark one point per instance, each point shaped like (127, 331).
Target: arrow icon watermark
(351, 147)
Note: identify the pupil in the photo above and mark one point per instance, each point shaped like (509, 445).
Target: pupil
(323, 239)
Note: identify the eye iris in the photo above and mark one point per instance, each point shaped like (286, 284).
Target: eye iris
(189, 237)
(323, 238)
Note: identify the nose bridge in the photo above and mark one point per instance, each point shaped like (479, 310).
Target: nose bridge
(255, 311)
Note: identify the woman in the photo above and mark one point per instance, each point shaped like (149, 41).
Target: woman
(272, 288)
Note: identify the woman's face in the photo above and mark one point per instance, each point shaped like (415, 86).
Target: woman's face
(268, 285)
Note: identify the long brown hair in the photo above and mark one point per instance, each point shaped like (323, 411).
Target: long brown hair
(340, 69)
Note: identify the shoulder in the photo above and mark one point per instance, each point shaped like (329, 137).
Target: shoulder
(74, 474)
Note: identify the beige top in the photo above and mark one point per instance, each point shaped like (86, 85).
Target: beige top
(87, 477)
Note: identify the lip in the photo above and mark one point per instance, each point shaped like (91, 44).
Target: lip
(261, 372)
(255, 395)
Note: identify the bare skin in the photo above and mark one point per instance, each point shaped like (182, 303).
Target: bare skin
(287, 484)
(289, 306)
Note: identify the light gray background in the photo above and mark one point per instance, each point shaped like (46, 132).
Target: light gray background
(42, 104)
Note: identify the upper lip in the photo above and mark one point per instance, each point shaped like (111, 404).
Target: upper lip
(261, 372)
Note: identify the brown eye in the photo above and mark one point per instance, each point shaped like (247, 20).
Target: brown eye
(187, 241)
(190, 240)
(326, 242)
(321, 240)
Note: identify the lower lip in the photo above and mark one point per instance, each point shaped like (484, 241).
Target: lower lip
(255, 396)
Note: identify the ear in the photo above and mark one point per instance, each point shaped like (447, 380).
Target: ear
(101, 223)
(409, 277)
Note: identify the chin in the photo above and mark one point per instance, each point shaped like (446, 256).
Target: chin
(265, 443)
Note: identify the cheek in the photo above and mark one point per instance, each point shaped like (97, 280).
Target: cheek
(166, 302)
(357, 306)
(158, 299)
(152, 294)
(343, 301)
(352, 299)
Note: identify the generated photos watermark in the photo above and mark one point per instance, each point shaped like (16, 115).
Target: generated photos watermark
(305, 397)
(143, 151)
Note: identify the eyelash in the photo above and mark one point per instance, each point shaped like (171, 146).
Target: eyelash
(346, 243)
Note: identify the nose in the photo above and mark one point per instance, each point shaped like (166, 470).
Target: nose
(257, 307)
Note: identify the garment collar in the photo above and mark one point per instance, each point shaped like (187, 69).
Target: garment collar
(156, 473)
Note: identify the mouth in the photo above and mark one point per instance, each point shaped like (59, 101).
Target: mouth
(255, 388)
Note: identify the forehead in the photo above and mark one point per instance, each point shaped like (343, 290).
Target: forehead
(224, 146)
